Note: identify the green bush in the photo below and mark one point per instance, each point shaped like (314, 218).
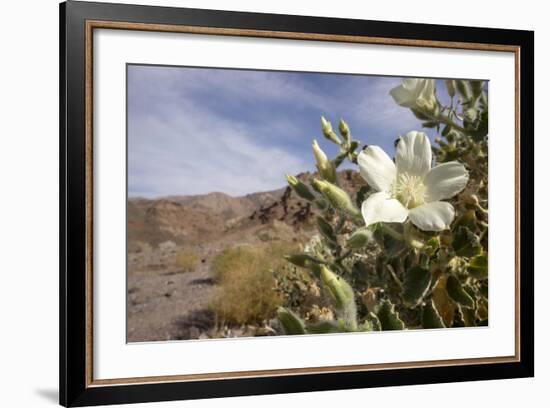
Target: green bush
(409, 250)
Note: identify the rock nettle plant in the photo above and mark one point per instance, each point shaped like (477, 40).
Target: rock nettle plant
(409, 249)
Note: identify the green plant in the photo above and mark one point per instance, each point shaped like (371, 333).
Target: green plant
(409, 250)
(187, 260)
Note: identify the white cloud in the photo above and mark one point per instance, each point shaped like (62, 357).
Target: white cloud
(195, 131)
(197, 153)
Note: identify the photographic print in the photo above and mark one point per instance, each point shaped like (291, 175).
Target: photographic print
(266, 203)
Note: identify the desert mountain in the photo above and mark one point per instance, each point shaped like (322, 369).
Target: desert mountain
(200, 218)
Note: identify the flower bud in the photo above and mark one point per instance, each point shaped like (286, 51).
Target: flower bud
(360, 238)
(451, 87)
(324, 165)
(344, 130)
(470, 115)
(464, 89)
(337, 197)
(339, 290)
(477, 87)
(291, 323)
(300, 259)
(416, 94)
(471, 199)
(328, 132)
(300, 188)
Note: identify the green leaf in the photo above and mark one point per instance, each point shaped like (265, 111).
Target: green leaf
(468, 316)
(484, 290)
(478, 267)
(457, 292)
(374, 321)
(415, 285)
(466, 243)
(389, 318)
(430, 317)
(291, 323)
(301, 259)
(326, 229)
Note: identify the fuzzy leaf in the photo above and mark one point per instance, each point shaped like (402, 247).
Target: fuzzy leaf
(430, 317)
(389, 318)
(466, 243)
(415, 285)
(326, 229)
(484, 290)
(468, 316)
(478, 267)
(443, 302)
(374, 321)
(458, 294)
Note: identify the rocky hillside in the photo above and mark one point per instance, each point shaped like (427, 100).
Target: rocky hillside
(200, 218)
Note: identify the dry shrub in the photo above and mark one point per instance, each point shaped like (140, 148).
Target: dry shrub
(187, 260)
(246, 283)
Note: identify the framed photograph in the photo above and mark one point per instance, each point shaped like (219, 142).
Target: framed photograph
(256, 204)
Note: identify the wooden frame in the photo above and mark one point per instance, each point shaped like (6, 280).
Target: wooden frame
(77, 22)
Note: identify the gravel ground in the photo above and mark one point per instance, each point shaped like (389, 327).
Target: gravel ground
(165, 303)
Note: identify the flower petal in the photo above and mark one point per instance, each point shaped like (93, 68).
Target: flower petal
(377, 168)
(445, 181)
(434, 216)
(413, 154)
(427, 89)
(403, 96)
(411, 83)
(379, 207)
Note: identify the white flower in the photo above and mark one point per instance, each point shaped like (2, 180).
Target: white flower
(416, 94)
(410, 187)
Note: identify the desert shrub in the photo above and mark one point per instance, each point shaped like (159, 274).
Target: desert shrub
(247, 286)
(187, 260)
(404, 251)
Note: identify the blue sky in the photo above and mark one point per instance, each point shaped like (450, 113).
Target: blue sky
(199, 130)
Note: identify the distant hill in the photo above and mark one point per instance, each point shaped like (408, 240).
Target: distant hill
(200, 218)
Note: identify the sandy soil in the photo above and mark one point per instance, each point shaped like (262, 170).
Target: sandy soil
(165, 303)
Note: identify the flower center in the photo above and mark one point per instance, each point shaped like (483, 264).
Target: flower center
(409, 190)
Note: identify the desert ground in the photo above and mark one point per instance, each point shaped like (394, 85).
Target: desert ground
(168, 301)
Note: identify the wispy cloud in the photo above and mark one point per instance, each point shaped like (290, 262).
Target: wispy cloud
(194, 131)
